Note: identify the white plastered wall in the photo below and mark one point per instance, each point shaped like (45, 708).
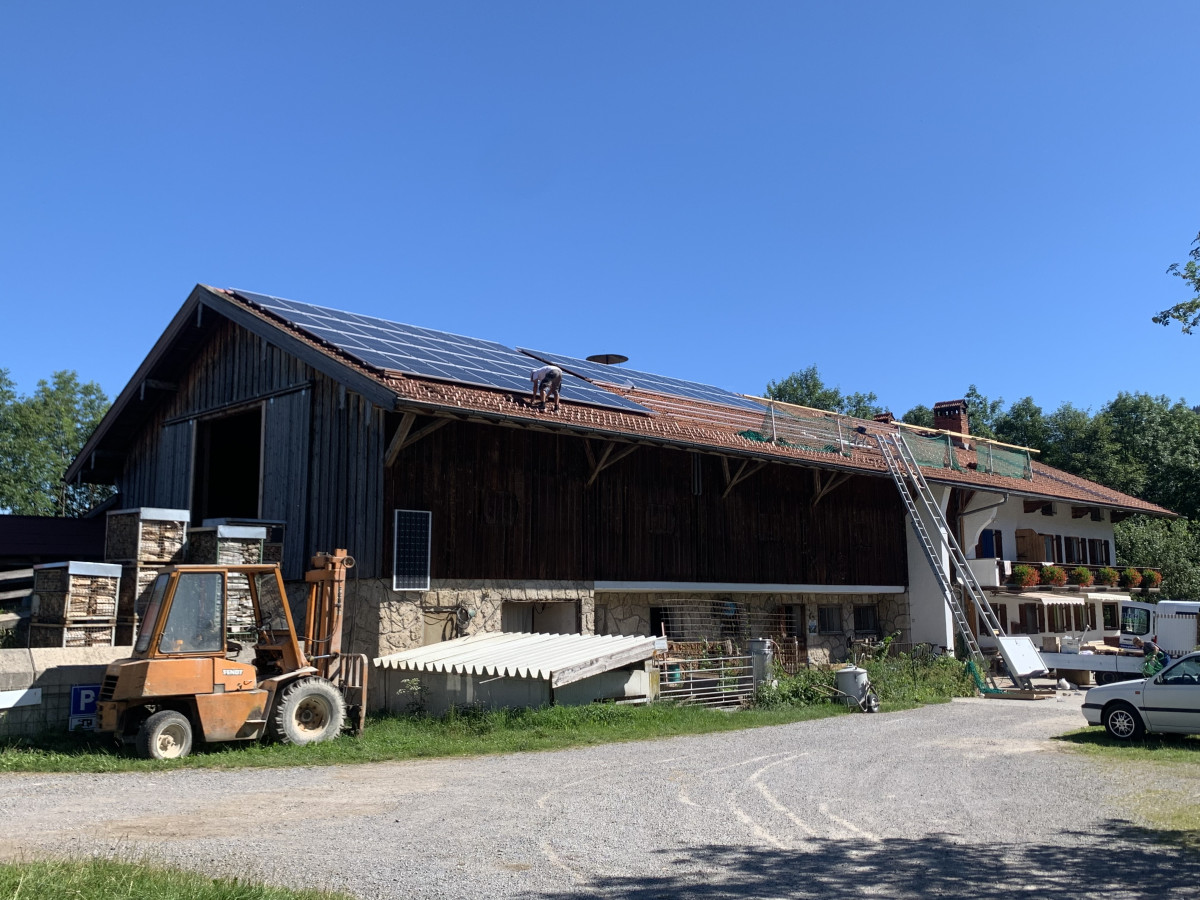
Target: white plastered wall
(1011, 516)
(931, 619)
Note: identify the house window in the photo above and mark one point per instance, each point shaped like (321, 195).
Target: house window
(1098, 552)
(829, 619)
(730, 619)
(866, 620)
(1109, 611)
(1059, 618)
(1091, 616)
(1001, 613)
(1048, 509)
(1073, 550)
(1033, 618)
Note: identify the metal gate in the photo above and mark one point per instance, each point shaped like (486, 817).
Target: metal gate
(718, 681)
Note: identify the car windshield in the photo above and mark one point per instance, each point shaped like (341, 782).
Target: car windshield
(196, 618)
(147, 627)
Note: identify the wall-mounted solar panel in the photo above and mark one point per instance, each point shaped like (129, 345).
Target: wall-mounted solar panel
(430, 354)
(412, 537)
(623, 377)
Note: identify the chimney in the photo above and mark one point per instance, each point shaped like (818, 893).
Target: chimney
(951, 415)
(885, 418)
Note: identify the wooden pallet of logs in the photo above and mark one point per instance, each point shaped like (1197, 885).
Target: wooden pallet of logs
(146, 535)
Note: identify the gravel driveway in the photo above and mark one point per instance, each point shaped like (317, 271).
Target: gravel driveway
(966, 799)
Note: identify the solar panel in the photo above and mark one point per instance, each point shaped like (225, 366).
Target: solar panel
(427, 353)
(631, 378)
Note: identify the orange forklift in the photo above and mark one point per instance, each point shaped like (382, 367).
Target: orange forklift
(187, 677)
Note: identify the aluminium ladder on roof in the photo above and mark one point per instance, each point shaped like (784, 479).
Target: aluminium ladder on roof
(905, 470)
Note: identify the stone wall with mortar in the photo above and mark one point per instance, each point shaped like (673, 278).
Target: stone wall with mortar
(629, 613)
(380, 621)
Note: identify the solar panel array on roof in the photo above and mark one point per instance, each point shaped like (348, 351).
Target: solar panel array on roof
(428, 353)
(631, 378)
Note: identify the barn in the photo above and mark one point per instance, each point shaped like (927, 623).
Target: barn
(642, 504)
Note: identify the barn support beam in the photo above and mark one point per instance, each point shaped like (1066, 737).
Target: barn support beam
(610, 456)
(825, 483)
(744, 471)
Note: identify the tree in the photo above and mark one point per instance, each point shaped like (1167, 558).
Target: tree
(982, 413)
(1024, 424)
(1173, 545)
(39, 436)
(1187, 312)
(920, 415)
(806, 388)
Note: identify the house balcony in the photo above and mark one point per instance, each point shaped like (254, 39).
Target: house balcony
(997, 575)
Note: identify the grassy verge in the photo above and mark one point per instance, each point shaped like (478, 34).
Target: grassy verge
(901, 680)
(1172, 814)
(468, 733)
(101, 879)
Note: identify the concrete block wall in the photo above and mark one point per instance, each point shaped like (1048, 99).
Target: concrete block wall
(52, 672)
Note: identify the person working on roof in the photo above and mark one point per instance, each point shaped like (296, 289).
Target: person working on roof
(547, 382)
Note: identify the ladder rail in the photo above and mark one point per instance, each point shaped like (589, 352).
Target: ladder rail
(905, 471)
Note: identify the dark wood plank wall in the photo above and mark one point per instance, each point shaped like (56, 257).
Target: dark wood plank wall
(328, 441)
(513, 504)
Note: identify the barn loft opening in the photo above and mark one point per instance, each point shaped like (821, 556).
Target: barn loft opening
(229, 466)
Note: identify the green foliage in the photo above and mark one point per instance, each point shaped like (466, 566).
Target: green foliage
(1080, 576)
(1130, 578)
(900, 679)
(982, 414)
(807, 687)
(919, 678)
(806, 388)
(39, 437)
(1023, 424)
(1186, 312)
(96, 878)
(1025, 576)
(1053, 575)
(919, 415)
(462, 732)
(1151, 578)
(1172, 545)
(1107, 576)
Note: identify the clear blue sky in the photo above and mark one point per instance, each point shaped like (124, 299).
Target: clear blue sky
(912, 196)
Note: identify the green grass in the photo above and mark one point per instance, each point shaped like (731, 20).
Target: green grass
(469, 733)
(1172, 814)
(102, 879)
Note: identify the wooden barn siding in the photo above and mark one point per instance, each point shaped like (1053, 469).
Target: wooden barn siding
(345, 504)
(513, 505)
(339, 442)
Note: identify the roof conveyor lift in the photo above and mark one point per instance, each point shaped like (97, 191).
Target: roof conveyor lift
(1019, 654)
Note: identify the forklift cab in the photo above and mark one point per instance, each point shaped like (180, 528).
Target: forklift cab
(192, 611)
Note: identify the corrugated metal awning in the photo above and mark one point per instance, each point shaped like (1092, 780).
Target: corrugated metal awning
(558, 658)
(1046, 599)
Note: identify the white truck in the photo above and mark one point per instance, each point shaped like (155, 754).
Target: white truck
(1172, 623)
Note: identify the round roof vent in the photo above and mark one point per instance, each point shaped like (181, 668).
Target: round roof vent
(608, 359)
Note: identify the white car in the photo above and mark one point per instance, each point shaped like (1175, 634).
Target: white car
(1168, 702)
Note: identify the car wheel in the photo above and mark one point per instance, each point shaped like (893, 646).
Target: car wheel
(1123, 722)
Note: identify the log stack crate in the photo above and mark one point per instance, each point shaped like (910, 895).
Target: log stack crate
(272, 550)
(144, 541)
(146, 535)
(231, 545)
(74, 604)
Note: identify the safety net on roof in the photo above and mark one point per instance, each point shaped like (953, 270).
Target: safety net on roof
(1010, 461)
(794, 427)
(935, 450)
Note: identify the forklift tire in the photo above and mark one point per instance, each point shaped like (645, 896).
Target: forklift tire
(165, 735)
(309, 711)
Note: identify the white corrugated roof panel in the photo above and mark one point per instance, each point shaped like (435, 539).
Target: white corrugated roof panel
(558, 658)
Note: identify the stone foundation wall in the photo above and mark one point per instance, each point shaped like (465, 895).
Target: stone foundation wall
(629, 613)
(380, 621)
